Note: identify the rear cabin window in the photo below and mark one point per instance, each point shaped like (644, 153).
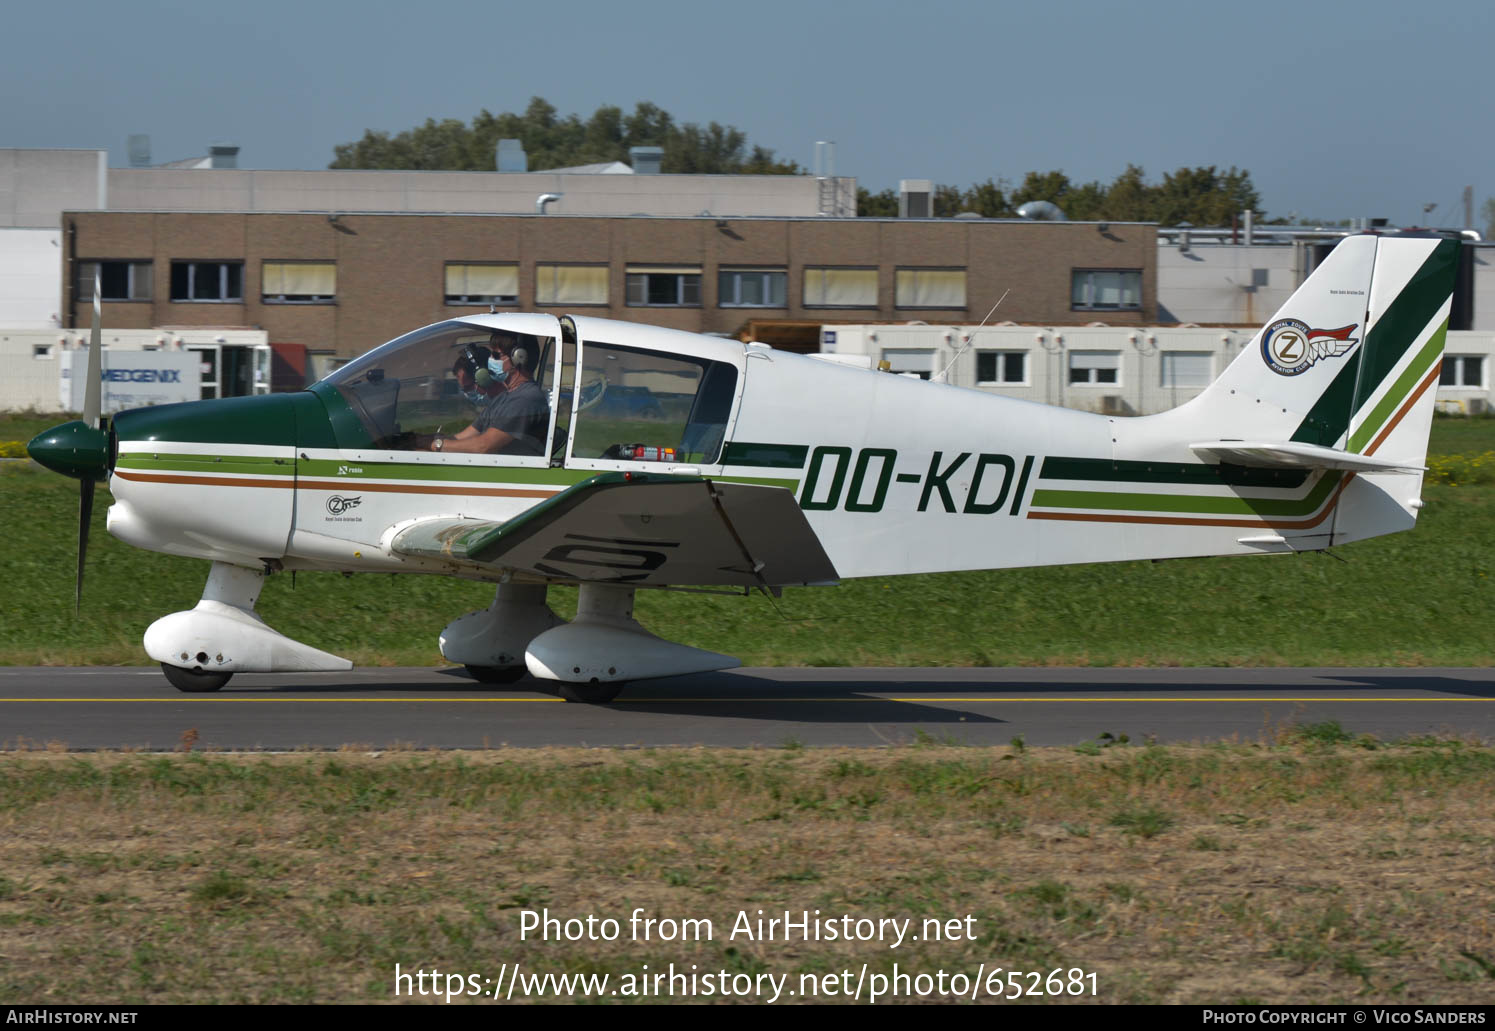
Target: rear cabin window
(651, 406)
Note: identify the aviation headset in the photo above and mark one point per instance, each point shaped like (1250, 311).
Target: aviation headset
(474, 358)
(503, 343)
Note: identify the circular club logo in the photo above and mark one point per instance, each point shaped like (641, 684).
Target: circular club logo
(1284, 347)
(337, 504)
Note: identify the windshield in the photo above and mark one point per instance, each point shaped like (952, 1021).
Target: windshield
(436, 380)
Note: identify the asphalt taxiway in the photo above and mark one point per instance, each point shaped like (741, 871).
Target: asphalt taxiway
(134, 708)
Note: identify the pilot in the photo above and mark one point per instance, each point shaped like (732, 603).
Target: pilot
(514, 414)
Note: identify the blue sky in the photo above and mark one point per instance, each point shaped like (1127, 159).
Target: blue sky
(1337, 110)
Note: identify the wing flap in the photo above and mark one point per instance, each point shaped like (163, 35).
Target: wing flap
(640, 528)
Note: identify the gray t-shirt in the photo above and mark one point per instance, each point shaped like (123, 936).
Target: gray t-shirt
(523, 413)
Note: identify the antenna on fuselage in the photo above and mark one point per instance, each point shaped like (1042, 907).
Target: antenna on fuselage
(971, 337)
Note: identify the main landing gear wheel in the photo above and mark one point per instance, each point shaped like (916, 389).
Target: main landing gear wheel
(194, 681)
(590, 694)
(497, 674)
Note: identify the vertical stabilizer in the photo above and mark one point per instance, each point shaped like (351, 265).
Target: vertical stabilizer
(1347, 359)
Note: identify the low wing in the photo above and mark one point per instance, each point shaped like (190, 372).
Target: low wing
(646, 529)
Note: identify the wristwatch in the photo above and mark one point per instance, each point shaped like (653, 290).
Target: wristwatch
(436, 444)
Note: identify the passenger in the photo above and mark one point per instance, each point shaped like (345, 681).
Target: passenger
(465, 368)
(514, 415)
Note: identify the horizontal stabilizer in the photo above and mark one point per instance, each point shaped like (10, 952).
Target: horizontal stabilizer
(644, 529)
(1293, 455)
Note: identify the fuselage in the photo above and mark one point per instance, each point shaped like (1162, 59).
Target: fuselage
(894, 474)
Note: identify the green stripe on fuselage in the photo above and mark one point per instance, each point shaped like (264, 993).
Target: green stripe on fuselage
(1104, 469)
(355, 469)
(358, 470)
(1107, 500)
(774, 456)
(176, 462)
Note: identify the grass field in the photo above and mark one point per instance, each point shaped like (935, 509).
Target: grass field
(1419, 598)
(1304, 867)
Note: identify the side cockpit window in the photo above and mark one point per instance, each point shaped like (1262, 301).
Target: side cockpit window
(445, 380)
(639, 405)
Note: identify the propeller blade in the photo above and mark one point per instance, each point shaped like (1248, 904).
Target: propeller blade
(85, 517)
(92, 402)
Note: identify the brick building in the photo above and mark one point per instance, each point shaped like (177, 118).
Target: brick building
(343, 282)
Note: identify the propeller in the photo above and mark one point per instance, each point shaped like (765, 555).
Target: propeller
(92, 405)
(80, 449)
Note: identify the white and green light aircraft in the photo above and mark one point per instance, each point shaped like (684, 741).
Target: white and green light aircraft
(533, 449)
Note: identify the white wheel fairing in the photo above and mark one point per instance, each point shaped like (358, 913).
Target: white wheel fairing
(222, 634)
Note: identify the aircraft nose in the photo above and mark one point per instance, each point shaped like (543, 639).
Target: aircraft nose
(74, 449)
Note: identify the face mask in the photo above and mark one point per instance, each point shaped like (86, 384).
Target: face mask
(476, 397)
(496, 368)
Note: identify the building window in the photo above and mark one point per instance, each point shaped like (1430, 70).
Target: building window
(218, 282)
(1097, 289)
(1462, 370)
(298, 282)
(652, 286)
(752, 288)
(930, 288)
(41, 352)
(917, 361)
(1187, 368)
(570, 284)
(1096, 367)
(1004, 367)
(840, 288)
(118, 280)
(468, 283)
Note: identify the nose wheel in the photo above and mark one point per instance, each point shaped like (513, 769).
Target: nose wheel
(194, 681)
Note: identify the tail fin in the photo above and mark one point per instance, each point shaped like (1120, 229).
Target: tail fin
(1336, 390)
(1349, 359)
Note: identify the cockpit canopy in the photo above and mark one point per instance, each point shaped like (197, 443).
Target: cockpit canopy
(410, 386)
(628, 403)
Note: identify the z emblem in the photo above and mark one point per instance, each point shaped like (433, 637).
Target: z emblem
(1289, 347)
(337, 504)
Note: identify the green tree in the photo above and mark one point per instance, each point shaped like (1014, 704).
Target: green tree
(1050, 186)
(948, 201)
(1203, 197)
(987, 200)
(1128, 199)
(553, 141)
(1086, 203)
(876, 205)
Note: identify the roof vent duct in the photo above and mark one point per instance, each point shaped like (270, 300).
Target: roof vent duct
(646, 160)
(510, 156)
(1042, 211)
(915, 198)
